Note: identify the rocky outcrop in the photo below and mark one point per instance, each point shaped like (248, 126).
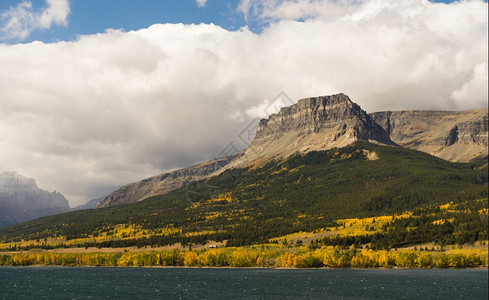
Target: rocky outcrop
(161, 184)
(317, 114)
(21, 200)
(458, 136)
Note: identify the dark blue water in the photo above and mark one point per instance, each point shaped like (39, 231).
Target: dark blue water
(189, 283)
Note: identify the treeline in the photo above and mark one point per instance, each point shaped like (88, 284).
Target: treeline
(245, 257)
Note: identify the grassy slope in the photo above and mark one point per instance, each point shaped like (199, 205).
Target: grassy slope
(304, 193)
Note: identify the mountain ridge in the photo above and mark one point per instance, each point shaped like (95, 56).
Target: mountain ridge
(161, 183)
(458, 136)
(335, 121)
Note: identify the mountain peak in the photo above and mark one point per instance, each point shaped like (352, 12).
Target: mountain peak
(312, 115)
(316, 123)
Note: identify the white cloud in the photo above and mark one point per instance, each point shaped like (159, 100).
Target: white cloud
(56, 13)
(18, 22)
(201, 3)
(83, 117)
(469, 92)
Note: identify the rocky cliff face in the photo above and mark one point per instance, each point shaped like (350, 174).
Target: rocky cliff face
(21, 200)
(458, 136)
(161, 184)
(314, 115)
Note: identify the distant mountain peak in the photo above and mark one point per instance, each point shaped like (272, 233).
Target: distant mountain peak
(13, 180)
(22, 200)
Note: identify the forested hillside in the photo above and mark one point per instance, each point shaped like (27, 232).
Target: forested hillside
(303, 193)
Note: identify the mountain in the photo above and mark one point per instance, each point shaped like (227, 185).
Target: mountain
(22, 200)
(317, 123)
(459, 136)
(162, 183)
(326, 122)
(311, 164)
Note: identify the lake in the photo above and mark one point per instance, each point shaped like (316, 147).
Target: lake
(208, 283)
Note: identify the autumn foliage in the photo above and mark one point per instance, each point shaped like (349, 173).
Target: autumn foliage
(251, 257)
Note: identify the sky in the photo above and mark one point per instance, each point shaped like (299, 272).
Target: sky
(97, 94)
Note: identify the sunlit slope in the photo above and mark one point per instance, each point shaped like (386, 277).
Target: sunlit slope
(303, 193)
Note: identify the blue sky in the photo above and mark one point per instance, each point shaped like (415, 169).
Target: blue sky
(87, 110)
(95, 16)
